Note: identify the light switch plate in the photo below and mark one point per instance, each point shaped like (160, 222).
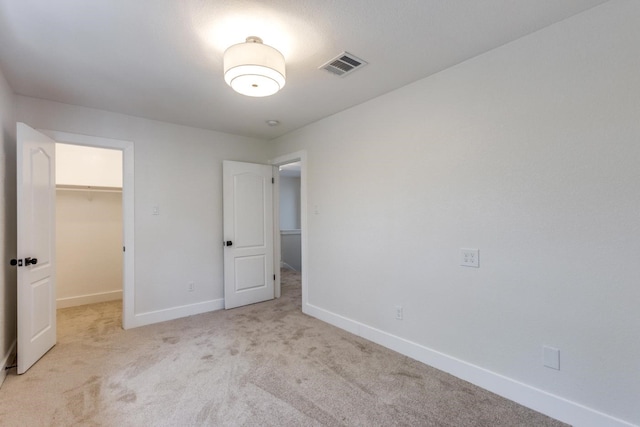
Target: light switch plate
(470, 257)
(551, 357)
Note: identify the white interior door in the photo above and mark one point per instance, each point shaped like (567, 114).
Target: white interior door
(36, 245)
(248, 233)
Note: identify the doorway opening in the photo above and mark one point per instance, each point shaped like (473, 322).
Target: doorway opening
(289, 231)
(290, 223)
(89, 226)
(126, 195)
(289, 187)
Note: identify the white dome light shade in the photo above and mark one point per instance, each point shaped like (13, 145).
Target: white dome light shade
(253, 68)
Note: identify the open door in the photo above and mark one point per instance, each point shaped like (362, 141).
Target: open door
(36, 191)
(248, 233)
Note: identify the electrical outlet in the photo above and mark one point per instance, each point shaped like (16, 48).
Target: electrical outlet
(155, 210)
(192, 286)
(470, 257)
(399, 312)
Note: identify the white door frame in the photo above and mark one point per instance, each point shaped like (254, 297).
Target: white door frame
(128, 279)
(298, 156)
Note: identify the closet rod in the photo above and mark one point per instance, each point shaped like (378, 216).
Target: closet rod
(89, 188)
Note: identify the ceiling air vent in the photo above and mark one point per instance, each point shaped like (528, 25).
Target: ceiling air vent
(343, 64)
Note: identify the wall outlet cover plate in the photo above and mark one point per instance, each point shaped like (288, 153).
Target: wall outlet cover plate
(470, 257)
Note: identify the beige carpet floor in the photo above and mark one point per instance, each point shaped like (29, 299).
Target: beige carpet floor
(262, 365)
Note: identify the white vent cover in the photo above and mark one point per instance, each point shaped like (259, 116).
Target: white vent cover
(343, 64)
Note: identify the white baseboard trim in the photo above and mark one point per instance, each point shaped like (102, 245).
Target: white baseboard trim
(148, 318)
(539, 400)
(88, 299)
(7, 360)
(287, 266)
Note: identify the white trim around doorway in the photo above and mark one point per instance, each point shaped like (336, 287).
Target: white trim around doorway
(128, 279)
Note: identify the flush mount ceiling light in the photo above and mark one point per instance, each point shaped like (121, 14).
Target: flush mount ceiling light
(253, 68)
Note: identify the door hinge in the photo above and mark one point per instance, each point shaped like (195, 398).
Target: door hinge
(273, 180)
(124, 249)
(274, 277)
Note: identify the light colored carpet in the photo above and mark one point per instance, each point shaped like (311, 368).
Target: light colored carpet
(265, 364)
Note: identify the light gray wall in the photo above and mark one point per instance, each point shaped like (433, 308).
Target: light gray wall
(289, 203)
(178, 169)
(290, 252)
(7, 222)
(88, 247)
(531, 153)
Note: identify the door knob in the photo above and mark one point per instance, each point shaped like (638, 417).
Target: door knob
(228, 243)
(15, 262)
(28, 261)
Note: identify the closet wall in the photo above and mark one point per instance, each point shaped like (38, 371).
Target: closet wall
(88, 225)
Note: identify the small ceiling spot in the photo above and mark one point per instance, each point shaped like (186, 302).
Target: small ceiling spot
(272, 122)
(343, 64)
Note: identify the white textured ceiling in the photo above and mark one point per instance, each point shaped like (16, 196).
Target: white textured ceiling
(162, 59)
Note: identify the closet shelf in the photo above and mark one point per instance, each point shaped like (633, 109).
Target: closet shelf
(89, 188)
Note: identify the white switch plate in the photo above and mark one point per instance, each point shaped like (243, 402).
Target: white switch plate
(155, 210)
(470, 257)
(551, 357)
